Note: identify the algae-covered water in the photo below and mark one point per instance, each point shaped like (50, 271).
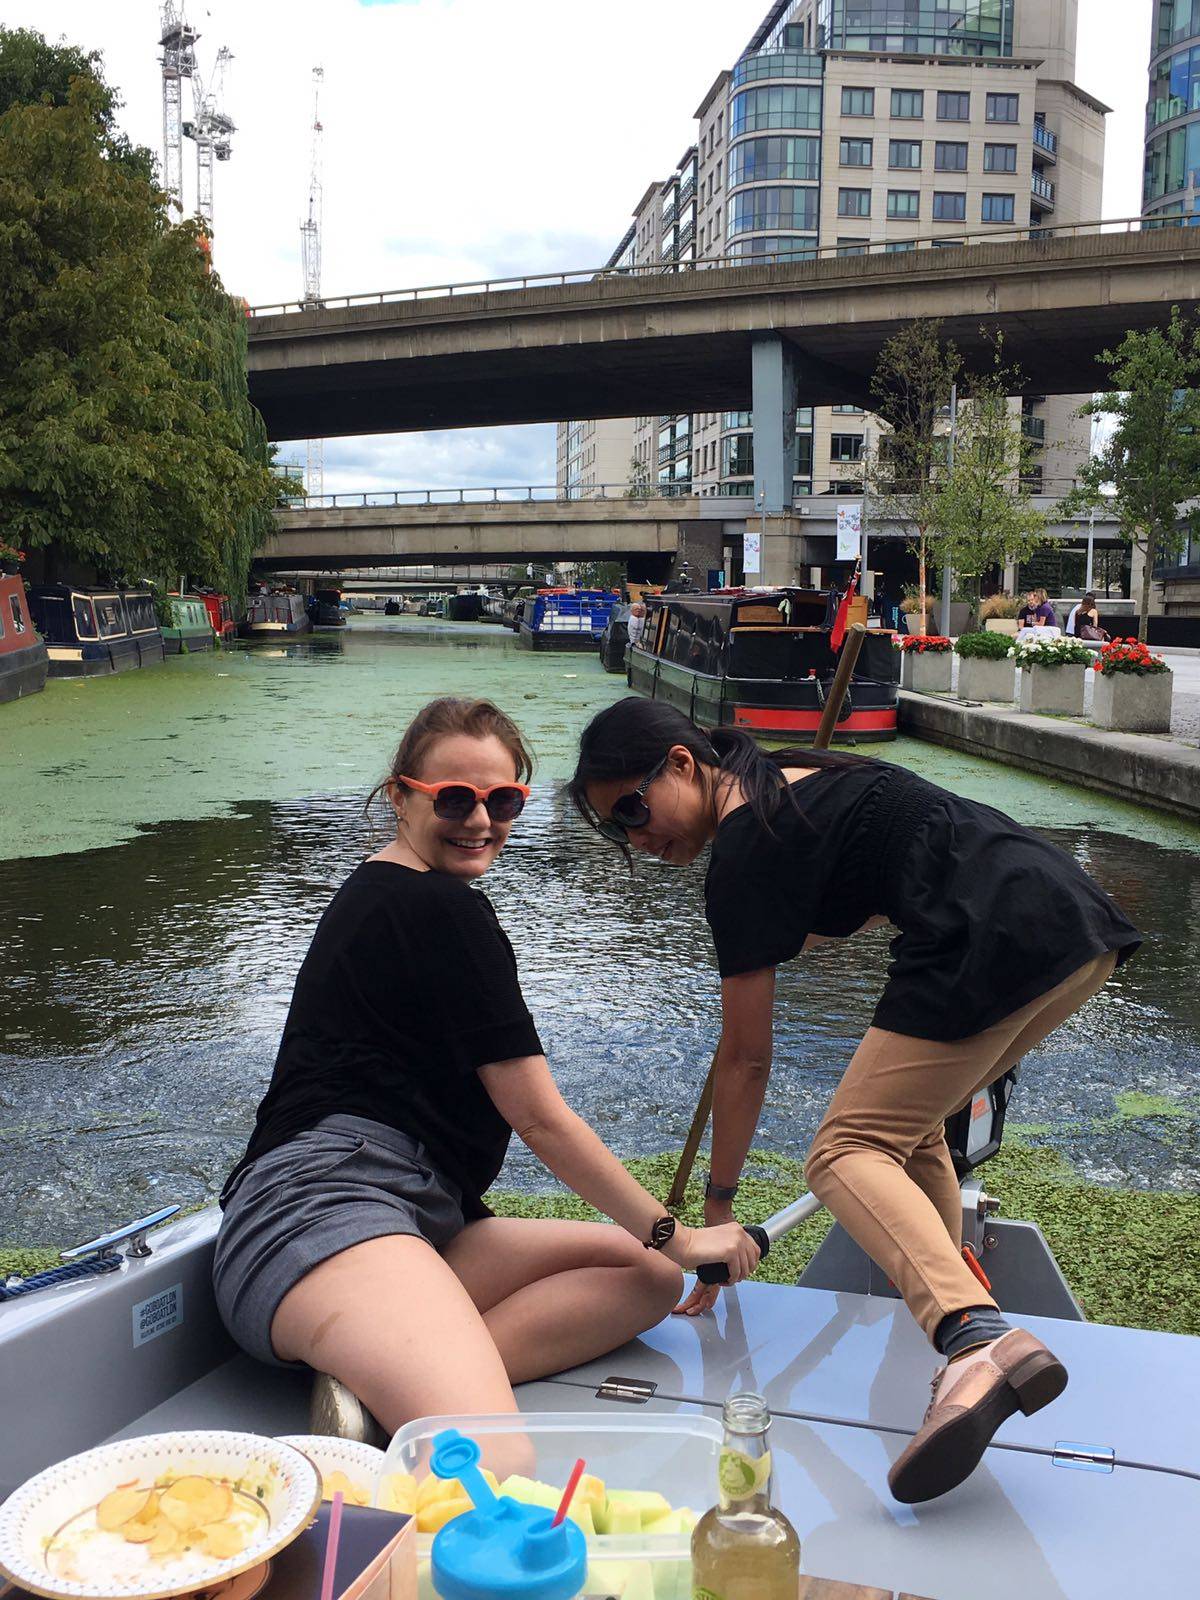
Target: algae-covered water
(169, 837)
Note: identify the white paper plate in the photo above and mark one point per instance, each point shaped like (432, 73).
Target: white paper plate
(49, 1541)
(361, 1463)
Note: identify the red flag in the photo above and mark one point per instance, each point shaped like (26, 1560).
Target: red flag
(838, 632)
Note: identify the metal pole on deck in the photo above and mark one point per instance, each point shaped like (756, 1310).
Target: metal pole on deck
(1087, 584)
(855, 634)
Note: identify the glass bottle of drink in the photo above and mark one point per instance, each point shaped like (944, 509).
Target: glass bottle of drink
(745, 1548)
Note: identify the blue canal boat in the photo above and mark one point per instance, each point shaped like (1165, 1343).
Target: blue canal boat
(91, 631)
(565, 619)
(761, 659)
(23, 660)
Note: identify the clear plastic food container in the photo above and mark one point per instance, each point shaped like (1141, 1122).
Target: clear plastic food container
(668, 1453)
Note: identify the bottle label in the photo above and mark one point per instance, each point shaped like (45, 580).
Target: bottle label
(742, 1476)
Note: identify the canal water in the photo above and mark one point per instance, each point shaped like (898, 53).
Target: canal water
(169, 837)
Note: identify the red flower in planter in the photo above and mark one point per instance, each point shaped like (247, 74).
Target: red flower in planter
(935, 643)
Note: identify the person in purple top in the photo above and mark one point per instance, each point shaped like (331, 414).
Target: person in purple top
(1037, 612)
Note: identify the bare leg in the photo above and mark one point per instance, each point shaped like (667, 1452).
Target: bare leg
(554, 1294)
(389, 1319)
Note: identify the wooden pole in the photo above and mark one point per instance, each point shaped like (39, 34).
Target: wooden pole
(853, 643)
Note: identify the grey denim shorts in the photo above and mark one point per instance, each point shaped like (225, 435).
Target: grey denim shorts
(345, 1181)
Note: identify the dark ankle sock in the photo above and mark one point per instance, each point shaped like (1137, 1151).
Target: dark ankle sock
(965, 1330)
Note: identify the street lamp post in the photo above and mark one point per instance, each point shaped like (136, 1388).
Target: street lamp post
(1087, 586)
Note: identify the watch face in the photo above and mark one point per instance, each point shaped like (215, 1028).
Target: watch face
(662, 1232)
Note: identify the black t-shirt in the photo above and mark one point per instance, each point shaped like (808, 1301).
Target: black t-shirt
(408, 988)
(957, 878)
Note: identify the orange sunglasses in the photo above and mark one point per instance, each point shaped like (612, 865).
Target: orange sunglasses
(454, 800)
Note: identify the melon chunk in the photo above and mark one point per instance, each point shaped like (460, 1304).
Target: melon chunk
(628, 1580)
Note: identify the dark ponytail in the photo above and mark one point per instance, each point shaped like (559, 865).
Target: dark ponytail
(629, 739)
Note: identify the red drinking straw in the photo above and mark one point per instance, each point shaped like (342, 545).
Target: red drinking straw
(331, 1545)
(564, 1504)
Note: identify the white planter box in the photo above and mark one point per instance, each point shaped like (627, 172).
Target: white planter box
(979, 679)
(1133, 702)
(1053, 689)
(926, 672)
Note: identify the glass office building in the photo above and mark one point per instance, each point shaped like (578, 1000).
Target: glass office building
(917, 27)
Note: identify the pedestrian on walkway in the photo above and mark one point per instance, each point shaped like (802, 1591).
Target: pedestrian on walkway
(808, 846)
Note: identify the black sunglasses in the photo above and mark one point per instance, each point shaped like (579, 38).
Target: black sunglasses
(629, 810)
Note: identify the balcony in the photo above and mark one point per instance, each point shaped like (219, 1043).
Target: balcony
(1033, 428)
(686, 235)
(1045, 142)
(669, 215)
(1043, 191)
(687, 189)
(777, 64)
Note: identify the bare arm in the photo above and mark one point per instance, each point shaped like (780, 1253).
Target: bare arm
(527, 1097)
(742, 1068)
(815, 939)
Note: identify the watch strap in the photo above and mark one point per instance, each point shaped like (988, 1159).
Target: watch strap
(661, 1234)
(719, 1191)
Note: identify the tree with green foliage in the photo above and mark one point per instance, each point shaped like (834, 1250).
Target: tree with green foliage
(981, 513)
(911, 387)
(1148, 471)
(34, 72)
(639, 486)
(126, 435)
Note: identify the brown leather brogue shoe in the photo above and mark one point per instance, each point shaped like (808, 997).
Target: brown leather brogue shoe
(971, 1398)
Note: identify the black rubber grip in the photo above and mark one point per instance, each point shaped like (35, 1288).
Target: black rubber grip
(718, 1272)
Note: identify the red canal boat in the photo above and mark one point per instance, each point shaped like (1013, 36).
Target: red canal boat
(761, 659)
(23, 662)
(220, 614)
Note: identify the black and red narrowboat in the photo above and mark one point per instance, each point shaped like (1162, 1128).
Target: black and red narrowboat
(23, 661)
(761, 659)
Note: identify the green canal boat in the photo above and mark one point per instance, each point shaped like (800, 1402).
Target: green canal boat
(190, 627)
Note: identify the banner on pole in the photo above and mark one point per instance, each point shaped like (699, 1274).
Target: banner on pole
(752, 552)
(849, 532)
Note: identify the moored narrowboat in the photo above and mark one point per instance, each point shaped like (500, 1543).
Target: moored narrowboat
(761, 659)
(24, 664)
(565, 619)
(190, 627)
(220, 615)
(272, 612)
(92, 631)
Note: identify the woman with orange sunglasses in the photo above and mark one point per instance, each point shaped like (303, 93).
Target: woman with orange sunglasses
(355, 1239)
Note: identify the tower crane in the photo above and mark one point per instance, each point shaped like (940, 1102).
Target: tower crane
(212, 129)
(310, 259)
(178, 59)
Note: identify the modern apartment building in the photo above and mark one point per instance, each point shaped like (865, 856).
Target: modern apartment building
(1172, 189)
(854, 123)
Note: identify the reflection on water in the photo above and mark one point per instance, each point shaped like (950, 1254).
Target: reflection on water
(163, 863)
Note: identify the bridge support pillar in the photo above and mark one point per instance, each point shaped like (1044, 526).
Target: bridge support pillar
(773, 380)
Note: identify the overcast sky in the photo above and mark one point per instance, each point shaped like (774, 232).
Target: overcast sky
(473, 138)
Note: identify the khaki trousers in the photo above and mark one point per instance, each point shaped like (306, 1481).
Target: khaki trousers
(880, 1162)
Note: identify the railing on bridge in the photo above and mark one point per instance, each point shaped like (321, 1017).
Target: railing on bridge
(441, 291)
(500, 494)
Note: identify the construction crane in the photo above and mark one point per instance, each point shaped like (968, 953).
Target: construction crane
(178, 60)
(212, 130)
(310, 259)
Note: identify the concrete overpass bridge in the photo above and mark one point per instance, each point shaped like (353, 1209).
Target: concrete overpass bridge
(468, 530)
(717, 336)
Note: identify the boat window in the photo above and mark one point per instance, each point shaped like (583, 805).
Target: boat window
(1, 625)
(17, 616)
(110, 617)
(85, 616)
(140, 609)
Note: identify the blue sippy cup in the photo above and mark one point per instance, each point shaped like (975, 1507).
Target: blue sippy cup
(501, 1550)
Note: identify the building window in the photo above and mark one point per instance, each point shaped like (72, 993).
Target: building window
(998, 207)
(776, 107)
(858, 102)
(949, 207)
(897, 247)
(905, 153)
(908, 103)
(845, 447)
(773, 247)
(999, 158)
(772, 210)
(852, 247)
(1003, 107)
(953, 107)
(847, 411)
(949, 156)
(770, 160)
(737, 456)
(856, 152)
(904, 204)
(854, 202)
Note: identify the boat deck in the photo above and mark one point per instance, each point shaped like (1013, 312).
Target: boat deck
(1096, 1496)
